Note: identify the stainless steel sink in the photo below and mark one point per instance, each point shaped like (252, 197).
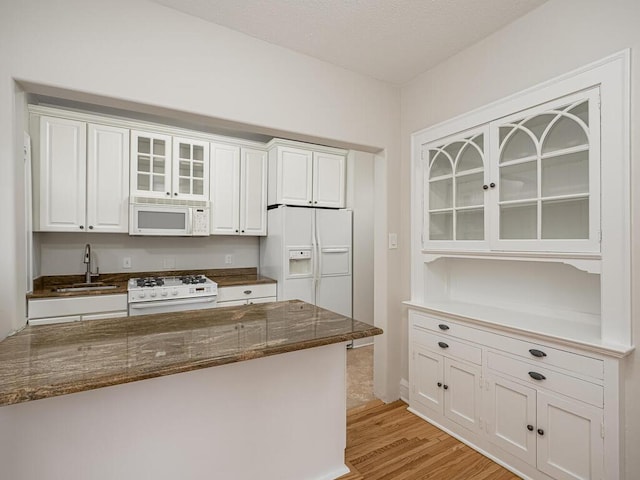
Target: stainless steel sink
(85, 287)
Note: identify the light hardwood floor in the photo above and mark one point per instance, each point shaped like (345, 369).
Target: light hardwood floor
(389, 442)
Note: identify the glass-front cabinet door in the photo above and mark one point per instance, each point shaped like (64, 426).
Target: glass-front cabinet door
(454, 170)
(527, 182)
(190, 169)
(548, 176)
(150, 164)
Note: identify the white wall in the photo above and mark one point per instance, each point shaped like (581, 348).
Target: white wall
(124, 53)
(360, 196)
(558, 37)
(62, 253)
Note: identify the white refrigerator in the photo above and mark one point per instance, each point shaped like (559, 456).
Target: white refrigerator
(308, 251)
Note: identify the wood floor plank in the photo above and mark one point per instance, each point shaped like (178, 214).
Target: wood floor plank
(387, 442)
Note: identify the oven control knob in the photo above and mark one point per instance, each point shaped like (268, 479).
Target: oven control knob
(141, 295)
(153, 293)
(174, 292)
(164, 293)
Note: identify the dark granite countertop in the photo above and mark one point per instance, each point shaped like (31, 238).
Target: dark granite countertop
(225, 277)
(51, 360)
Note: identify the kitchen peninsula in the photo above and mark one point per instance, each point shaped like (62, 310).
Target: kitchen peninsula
(280, 415)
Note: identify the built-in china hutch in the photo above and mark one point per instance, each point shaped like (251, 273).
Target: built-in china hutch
(519, 320)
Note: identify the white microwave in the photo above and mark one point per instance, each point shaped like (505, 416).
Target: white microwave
(154, 217)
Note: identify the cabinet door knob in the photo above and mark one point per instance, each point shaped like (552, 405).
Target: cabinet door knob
(439, 384)
(492, 185)
(81, 227)
(530, 428)
(310, 201)
(168, 193)
(537, 376)
(443, 345)
(537, 353)
(540, 432)
(446, 387)
(443, 326)
(175, 194)
(236, 230)
(485, 187)
(90, 227)
(242, 231)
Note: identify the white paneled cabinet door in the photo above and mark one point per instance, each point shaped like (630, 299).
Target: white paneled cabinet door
(190, 177)
(62, 170)
(107, 179)
(328, 180)
(150, 164)
(427, 381)
(225, 189)
(511, 418)
(570, 439)
(462, 393)
(253, 192)
(295, 168)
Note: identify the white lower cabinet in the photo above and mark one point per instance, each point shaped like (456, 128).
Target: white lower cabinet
(535, 407)
(44, 311)
(246, 294)
(448, 387)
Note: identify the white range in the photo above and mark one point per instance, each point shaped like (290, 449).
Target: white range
(171, 294)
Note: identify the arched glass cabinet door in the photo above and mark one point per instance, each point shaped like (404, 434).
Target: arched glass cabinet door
(548, 175)
(454, 171)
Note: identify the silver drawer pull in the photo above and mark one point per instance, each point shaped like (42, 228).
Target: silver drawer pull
(537, 376)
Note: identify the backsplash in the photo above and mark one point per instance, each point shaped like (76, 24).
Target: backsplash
(62, 253)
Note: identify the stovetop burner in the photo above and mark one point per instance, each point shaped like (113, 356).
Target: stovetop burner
(150, 282)
(193, 279)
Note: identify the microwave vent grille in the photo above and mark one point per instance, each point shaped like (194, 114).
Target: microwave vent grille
(168, 201)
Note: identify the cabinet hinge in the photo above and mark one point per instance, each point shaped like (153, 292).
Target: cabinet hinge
(602, 429)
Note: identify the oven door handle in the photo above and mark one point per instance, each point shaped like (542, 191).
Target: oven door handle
(159, 303)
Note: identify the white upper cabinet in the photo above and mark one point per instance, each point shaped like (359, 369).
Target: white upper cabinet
(82, 172)
(238, 190)
(108, 179)
(328, 180)
(457, 191)
(547, 176)
(525, 182)
(163, 166)
(306, 175)
(253, 192)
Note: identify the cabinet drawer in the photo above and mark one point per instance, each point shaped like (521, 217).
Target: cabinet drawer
(574, 362)
(448, 346)
(551, 380)
(240, 292)
(541, 354)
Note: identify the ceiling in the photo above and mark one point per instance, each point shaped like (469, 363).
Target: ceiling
(391, 40)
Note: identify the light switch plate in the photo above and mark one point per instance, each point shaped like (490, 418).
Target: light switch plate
(393, 240)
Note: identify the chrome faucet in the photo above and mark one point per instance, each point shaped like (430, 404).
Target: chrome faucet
(87, 261)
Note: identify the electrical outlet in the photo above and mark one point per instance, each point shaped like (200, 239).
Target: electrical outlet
(228, 259)
(126, 262)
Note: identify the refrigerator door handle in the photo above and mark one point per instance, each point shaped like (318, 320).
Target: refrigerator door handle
(335, 250)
